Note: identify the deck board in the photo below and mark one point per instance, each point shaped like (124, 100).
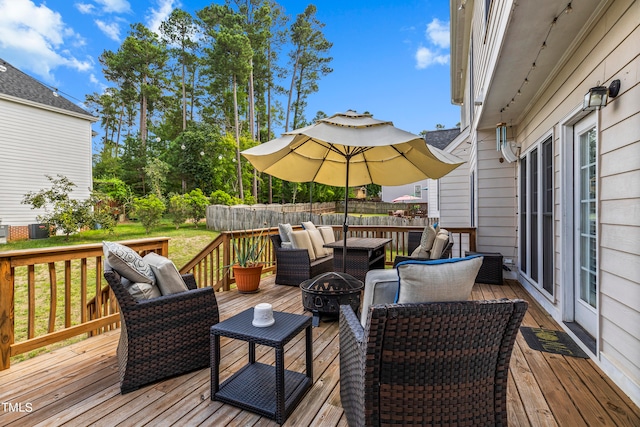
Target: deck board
(78, 385)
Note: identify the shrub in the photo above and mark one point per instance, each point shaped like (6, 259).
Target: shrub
(197, 202)
(178, 209)
(220, 197)
(149, 211)
(61, 211)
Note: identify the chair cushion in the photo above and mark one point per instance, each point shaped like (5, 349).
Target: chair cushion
(301, 240)
(168, 278)
(141, 291)
(438, 246)
(318, 243)
(127, 263)
(380, 287)
(285, 230)
(327, 234)
(308, 225)
(439, 280)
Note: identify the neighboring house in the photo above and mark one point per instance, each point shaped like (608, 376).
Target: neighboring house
(426, 190)
(566, 211)
(41, 133)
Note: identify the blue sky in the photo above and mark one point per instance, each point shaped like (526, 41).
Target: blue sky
(390, 58)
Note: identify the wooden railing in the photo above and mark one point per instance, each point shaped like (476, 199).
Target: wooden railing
(67, 279)
(81, 302)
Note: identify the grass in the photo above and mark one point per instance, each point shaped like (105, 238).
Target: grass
(184, 244)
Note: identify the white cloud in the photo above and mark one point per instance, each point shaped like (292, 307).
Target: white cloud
(155, 16)
(85, 8)
(437, 38)
(34, 38)
(438, 33)
(426, 57)
(115, 6)
(111, 30)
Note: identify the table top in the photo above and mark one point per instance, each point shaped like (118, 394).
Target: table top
(286, 326)
(359, 243)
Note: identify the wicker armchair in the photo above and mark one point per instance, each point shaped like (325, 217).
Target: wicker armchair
(293, 266)
(443, 364)
(165, 336)
(414, 242)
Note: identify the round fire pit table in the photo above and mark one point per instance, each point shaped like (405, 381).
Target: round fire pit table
(324, 294)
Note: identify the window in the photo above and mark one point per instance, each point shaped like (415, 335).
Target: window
(417, 191)
(536, 215)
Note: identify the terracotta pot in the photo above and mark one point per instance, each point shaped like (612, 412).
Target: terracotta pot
(247, 278)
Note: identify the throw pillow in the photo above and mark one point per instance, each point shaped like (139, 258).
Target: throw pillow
(127, 263)
(141, 291)
(448, 279)
(301, 240)
(308, 225)
(168, 278)
(428, 237)
(318, 243)
(438, 246)
(285, 230)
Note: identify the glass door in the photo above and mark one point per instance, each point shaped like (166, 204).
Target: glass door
(585, 227)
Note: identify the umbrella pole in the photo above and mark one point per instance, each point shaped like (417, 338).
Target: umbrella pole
(345, 225)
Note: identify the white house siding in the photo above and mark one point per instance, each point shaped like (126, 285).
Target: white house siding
(35, 142)
(496, 206)
(608, 49)
(390, 192)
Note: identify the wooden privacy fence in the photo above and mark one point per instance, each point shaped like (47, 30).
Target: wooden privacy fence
(53, 294)
(220, 217)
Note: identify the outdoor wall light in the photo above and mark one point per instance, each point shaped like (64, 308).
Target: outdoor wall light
(598, 96)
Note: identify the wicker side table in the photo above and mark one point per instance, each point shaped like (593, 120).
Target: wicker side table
(271, 391)
(491, 269)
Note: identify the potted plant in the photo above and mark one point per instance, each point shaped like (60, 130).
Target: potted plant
(247, 269)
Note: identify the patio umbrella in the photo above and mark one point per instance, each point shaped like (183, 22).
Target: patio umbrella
(405, 198)
(351, 149)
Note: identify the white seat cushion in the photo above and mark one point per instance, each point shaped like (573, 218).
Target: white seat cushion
(308, 225)
(284, 230)
(448, 279)
(301, 240)
(318, 243)
(380, 287)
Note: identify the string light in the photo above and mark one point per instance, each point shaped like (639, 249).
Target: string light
(568, 9)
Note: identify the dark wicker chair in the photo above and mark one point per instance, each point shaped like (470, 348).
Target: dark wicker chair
(293, 266)
(165, 336)
(414, 242)
(443, 364)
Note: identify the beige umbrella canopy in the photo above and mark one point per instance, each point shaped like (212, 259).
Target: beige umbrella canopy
(351, 149)
(373, 151)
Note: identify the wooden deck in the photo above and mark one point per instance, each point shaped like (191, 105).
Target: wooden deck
(78, 385)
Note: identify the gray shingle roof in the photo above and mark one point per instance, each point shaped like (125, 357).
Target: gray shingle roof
(14, 82)
(442, 137)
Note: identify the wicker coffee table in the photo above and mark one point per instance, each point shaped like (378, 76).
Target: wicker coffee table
(271, 391)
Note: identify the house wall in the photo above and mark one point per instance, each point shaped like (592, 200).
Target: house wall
(609, 51)
(35, 142)
(454, 192)
(496, 199)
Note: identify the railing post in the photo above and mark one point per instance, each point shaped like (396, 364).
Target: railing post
(6, 313)
(226, 262)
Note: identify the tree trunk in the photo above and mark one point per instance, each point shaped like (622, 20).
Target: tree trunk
(293, 79)
(237, 128)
